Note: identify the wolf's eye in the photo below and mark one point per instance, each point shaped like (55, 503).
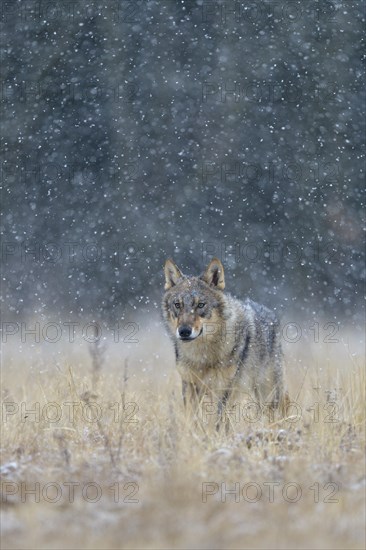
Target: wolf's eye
(201, 305)
(177, 305)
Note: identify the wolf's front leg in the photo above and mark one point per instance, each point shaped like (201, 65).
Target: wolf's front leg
(222, 416)
(191, 397)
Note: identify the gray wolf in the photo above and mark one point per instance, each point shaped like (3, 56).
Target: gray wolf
(225, 348)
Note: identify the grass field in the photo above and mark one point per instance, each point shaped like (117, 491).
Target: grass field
(97, 452)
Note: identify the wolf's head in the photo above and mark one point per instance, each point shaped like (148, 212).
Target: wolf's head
(190, 303)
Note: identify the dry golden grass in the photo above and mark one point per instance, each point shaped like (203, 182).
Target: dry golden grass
(145, 447)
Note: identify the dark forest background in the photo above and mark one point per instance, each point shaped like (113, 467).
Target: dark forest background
(137, 131)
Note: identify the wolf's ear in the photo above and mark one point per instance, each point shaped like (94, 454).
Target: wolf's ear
(172, 274)
(214, 274)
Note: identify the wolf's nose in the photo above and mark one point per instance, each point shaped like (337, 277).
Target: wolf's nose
(185, 331)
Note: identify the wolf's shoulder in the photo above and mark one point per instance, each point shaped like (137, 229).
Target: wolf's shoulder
(260, 312)
(252, 310)
(262, 316)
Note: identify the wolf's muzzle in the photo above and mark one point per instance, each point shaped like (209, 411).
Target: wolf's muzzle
(186, 333)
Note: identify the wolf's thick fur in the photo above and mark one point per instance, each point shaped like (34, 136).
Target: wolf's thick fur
(225, 348)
